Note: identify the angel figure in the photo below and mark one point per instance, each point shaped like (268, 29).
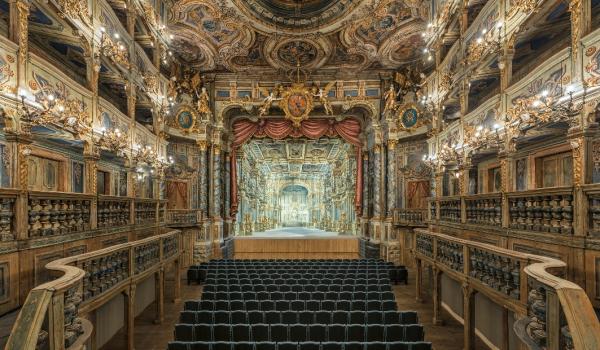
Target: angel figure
(322, 96)
(265, 107)
(203, 102)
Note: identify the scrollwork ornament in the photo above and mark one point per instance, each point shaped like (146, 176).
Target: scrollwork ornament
(23, 15)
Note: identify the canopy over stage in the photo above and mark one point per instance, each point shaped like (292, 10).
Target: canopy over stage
(305, 247)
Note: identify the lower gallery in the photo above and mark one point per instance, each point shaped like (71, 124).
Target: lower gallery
(299, 175)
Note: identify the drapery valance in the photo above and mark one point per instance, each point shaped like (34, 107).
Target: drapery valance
(277, 129)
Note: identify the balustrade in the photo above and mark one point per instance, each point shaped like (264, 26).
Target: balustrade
(183, 217)
(104, 272)
(113, 211)
(85, 278)
(432, 210)
(424, 245)
(559, 313)
(450, 210)
(410, 217)
(7, 215)
(542, 211)
(450, 254)
(484, 210)
(52, 214)
(145, 212)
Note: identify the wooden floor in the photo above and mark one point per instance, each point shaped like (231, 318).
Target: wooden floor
(151, 336)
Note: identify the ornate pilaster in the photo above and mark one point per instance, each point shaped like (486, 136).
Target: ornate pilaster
(391, 178)
(217, 196)
(377, 182)
(505, 65)
(19, 146)
(580, 25)
(203, 178)
(91, 158)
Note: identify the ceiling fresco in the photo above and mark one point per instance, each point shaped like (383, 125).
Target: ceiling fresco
(296, 157)
(258, 35)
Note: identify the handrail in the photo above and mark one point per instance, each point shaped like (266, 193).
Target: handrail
(520, 282)
(60, 299)
(183, 217)
(410, 217)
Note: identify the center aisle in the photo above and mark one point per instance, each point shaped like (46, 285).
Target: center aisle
(297, 305)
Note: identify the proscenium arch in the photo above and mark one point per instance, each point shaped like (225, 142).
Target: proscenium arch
(359, 141)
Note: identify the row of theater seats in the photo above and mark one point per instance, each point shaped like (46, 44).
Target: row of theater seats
(290, 296)
(296, 276)
(296, 305)
(279, 262)
(299, 346)
(299, 332)
(294, 287)
(326, 280)
(304, 317)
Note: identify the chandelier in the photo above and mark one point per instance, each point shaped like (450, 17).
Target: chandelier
(488, 41)
(52, 109)
(145, 156)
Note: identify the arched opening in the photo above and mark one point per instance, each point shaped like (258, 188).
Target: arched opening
(293, 200)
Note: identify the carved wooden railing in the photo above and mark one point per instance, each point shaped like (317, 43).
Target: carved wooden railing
(547, 210)
(410, 217)
(146, 211)
(58, 213)
(184, 217)
(550, 210)
(484, 210)
(450, 209)
(51, 314)
(114, 211)
(555, 313)
(8, 198)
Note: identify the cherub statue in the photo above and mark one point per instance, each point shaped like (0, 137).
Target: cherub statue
(265, 107)
(322, 96)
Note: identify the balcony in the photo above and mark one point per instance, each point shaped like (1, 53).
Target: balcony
(183, 217)
(410, 217)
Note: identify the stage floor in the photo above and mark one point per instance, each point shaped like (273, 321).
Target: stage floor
(294, 232)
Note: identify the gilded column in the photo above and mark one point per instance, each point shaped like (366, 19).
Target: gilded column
(581, 19)
(216, 179)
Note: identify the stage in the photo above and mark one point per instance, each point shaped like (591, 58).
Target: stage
(296, 243)
(286, 232)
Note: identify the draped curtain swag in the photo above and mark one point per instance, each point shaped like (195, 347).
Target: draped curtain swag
(277, 129)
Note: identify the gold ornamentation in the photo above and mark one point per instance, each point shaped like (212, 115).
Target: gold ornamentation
(577, 146)
(114, 50)
(202, 144)
(185, 120)
(23, 152)
(75, 9)
(113, 140)
(149, 13)
(504, 174)
(204, 103)
(525, 6)
(575, 8)
(151, 83)
(23, 15)
(446, 80)
(297, 103)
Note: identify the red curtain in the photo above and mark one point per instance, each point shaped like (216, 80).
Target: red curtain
(348, 129)
(177, 194)
(416, 194)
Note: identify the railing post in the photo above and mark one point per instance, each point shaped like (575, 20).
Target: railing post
(463, 210)
(56, 322)
(130, 316)
(468, 316)
(418, 279)
(160, 296)
(177, 281)
(552, 319)
(437, 296)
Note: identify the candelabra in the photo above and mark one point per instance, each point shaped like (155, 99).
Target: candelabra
(488, 41)
(112, 140)
(54, 110)
(543, 108)
(481, 137)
